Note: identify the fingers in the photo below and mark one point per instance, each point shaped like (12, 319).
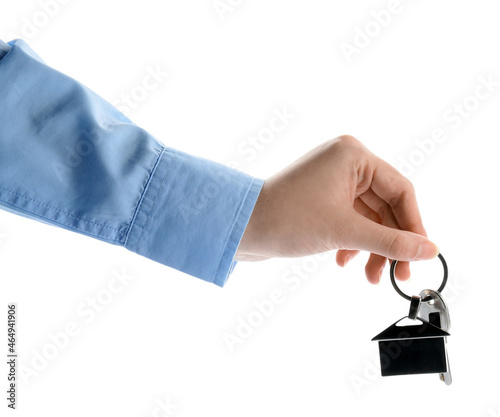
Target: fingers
(398, 192)
(384, 211)
(345, 255)
(389, 242)
(399, 195)
(376, 263)
(374, 268)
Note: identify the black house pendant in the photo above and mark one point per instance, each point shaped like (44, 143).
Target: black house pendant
(414, 349)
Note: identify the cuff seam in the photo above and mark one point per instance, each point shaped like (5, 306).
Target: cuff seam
(139, 204)
(215, 279)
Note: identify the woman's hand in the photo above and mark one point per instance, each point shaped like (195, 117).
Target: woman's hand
(338, 196)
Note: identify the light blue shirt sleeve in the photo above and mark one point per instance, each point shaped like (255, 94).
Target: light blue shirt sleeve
(70, 159)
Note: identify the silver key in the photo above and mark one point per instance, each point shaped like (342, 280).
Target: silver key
(434, 310)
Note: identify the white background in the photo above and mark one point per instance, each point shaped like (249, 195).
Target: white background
(162, 338)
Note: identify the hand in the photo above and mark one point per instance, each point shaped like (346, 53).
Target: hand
(338, 196)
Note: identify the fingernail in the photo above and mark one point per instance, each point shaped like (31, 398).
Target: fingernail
(347, 259)
(426, 250)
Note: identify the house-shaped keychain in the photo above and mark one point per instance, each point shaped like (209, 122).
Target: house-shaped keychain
(412, 349)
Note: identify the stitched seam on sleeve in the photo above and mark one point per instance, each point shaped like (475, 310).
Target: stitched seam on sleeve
(55, 209)
(146, 187)
(232, 230)
(155, 199)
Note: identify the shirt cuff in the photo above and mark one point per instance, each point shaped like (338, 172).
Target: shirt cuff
(192, 215)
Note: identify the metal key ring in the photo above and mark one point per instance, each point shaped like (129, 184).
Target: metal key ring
(407, 297)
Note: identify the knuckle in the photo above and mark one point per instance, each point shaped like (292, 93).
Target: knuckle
(406, 191)
(347, 140)
(396, 200)
(384, 211)
(408, 186)
(343, 146)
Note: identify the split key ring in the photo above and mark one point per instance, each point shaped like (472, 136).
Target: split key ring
(407, 297)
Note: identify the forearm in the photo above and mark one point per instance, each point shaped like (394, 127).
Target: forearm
(70, 159)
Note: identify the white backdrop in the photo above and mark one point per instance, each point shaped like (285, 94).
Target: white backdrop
(417, 81)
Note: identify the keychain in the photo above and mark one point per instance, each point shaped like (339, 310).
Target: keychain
(419, 348)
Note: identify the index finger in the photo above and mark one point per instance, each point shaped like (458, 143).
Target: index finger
(399, 193)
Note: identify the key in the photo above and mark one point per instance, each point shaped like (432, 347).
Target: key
(435, 311)
(416, 344)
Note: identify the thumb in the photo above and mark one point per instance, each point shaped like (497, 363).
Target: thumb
(389, 242)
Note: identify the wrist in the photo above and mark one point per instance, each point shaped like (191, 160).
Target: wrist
(250, 246)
